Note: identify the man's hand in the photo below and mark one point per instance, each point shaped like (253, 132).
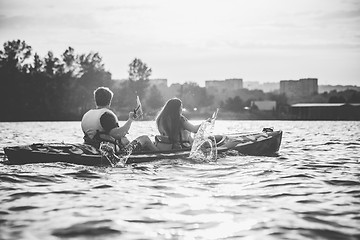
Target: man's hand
(132, 116)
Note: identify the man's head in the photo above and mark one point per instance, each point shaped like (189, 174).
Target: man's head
(103, 96)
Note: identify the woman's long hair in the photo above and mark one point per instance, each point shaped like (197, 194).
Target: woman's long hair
(169, 119)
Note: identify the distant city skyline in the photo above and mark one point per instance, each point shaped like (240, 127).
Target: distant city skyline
(261, 41)
(217, 86)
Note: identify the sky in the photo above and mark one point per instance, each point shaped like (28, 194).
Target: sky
(198, 40)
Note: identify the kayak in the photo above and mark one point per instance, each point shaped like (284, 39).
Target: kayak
(263, 143)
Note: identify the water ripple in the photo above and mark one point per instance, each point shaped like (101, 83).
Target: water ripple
(21, 208)
(85, 173)
(23, 177)
(87, 229)
(342, 182)
(309, 191)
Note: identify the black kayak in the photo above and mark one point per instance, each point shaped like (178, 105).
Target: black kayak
(266, 143)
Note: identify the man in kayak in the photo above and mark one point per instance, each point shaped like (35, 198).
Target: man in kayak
(102, 125)
(175, 129)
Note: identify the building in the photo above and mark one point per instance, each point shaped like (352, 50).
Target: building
(326, 111)
(220, 86)
(222, 90)
(265, 87)
(299, 88)
(264, 105)
(162, 85)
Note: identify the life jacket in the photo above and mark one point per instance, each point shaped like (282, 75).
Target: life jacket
(163, 142)
(94, 133)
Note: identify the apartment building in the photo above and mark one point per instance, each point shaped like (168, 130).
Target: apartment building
(223, 89)
(302, 87)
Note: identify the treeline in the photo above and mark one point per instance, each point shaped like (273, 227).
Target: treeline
(61, 88)
(52, 87)
(334, 96)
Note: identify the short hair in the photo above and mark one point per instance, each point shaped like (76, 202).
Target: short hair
(103, 96)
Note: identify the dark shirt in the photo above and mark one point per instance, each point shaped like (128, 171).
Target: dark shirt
(108, 122)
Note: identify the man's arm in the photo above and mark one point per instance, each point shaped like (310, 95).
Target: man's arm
(119, 132)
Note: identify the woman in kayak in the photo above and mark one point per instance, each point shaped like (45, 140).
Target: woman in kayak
(175, 129)
(101, 125)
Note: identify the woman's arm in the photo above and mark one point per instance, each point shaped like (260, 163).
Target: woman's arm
(190, 127)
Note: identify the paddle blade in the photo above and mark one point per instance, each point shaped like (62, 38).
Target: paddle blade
(138, 110)
(215, 114)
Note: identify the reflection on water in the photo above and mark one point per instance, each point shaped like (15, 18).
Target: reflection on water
(311, 190)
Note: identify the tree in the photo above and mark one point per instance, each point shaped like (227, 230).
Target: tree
(49, 88)
(90, 63)
(194, 96)
(38, 65)
(234, 104)
(337, 99)
(70, 65)
(280, 99)
(139, 74)
(123, 97)
(155, 99)
(52, 64)
(354, 97)
(13, 78)
(14, 55)
(139, 70)
(93, 75)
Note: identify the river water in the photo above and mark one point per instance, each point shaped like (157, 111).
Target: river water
(310, 191)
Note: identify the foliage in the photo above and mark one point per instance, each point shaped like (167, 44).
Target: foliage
(194, 96)
(354, 96)
(61, 87)
(139, 74)
(155, 100)
(123, 95)
(347, 96)
(49, 88)
(235, 104)
(337, 99)
(14, 55)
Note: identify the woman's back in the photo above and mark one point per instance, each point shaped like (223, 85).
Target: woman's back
(173, 125)
(171, 134)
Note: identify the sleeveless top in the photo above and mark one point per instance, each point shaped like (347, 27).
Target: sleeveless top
(90, 123)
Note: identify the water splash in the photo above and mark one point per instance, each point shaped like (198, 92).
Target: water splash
(108, 153)
(204, 148)
(107, 149)
(116, 160)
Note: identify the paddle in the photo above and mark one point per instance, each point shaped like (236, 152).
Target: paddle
(214, 116)
(201, 137)
(138, 112)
